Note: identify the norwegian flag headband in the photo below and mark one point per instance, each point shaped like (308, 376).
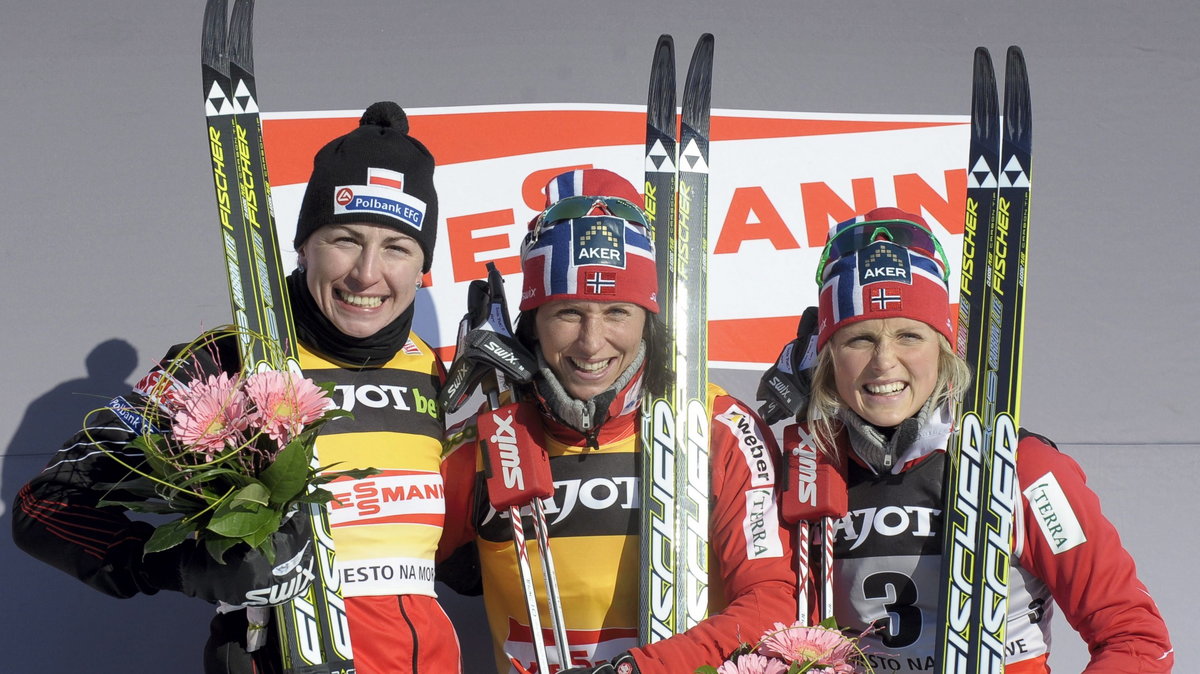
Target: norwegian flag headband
(898, 276)
(591, 243)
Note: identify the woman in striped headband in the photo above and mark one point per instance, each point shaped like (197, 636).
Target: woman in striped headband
(881, 392)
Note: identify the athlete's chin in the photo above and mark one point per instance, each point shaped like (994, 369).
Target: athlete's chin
(360, 328)
(586, 390)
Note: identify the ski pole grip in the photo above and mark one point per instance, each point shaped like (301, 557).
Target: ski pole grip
(515, 463)
(816, 483)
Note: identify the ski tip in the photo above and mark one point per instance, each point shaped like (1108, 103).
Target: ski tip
(660, 100)
(985, 107)
(212, 42)
(241, 35)
(983, 59)
(1018, 111)
(697, 88)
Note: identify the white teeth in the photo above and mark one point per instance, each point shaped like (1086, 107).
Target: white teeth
(884, 389)
(590, 367)
(360, 300)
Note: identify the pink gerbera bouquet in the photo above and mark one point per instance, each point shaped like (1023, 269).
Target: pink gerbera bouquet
(795, 649)
(230, 454)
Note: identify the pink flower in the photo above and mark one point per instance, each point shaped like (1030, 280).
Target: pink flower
(212, 414)
(752, 663)
(285, 403)
(818, 645)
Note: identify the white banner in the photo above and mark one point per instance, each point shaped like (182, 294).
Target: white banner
(778, 181)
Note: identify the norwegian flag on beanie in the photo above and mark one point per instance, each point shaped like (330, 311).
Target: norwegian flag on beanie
(590, 183)
(883, 280)
(596, 257)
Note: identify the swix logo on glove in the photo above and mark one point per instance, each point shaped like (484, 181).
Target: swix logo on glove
(502, 353)
(297, 575)
(816, 487)
(515, 463)
(505, 442)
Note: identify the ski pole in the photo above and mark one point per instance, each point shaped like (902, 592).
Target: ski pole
(553, 598)
(516, 463)
(506, 471)
(814, 495)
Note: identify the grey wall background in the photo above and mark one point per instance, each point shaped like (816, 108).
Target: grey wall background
(109, 253)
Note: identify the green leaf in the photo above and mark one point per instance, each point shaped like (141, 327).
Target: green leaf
(355, 474)
(255, 492)
(240, 521)
(287, 476)
(260, 537)
(168, 535)
(706, 669)
(153, 507)
(217, 546)
(316, 496)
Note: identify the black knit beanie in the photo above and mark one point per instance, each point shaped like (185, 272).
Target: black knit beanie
(376, 174)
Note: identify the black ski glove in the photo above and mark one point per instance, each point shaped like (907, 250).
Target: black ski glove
(784, 388)
(485, 344)
(622, 664)
(246, 578)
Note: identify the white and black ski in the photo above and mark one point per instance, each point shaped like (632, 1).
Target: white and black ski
(313, 628)
(981, 476)
(675, 422)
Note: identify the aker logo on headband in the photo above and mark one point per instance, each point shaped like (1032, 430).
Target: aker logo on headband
(884, 261)
(598, 240)
(382, 195)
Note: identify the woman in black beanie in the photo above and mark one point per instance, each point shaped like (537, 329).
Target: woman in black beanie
(365, 237)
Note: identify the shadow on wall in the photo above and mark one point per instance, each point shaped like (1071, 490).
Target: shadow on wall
(63, 625)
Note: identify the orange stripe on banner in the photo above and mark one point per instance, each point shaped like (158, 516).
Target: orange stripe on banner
(746, 128)
(291, 143)
(752, 340)
(465, 137)
(473, 136)
(453, 138)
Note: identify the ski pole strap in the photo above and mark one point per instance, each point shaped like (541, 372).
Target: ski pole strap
(785, 386)
(816, 482)
(486, 343)
(515, 464)
(480, 352)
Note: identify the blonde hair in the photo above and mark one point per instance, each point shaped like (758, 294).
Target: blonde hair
(824, 404)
